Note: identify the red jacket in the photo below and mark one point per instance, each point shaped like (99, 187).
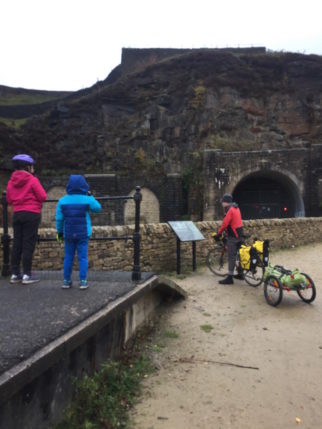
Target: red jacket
(232, 222)
(25, 192)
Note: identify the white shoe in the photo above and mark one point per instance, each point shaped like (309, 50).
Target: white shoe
(83, 284)
(67, 284)
(28, 280)
(15, 278)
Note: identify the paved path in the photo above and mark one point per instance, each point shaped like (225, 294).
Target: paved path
(258, 367)
(33, 315)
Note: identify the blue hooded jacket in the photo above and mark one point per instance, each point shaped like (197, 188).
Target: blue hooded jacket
(72, 213)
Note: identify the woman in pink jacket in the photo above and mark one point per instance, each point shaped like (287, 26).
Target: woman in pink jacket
(26, 194)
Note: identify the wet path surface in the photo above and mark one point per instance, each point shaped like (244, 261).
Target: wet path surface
(31, 316)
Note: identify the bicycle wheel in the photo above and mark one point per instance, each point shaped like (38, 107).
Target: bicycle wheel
(273, 291)
(217, 262)
(307, 292)
(254, 277)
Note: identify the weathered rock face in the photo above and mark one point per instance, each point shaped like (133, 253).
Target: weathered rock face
(159, 120)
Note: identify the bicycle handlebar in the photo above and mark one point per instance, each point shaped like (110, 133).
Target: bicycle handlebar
(282, 269)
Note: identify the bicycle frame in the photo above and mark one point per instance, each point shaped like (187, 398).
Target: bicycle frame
(217, 258)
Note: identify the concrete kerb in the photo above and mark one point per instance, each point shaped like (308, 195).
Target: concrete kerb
(13, 380)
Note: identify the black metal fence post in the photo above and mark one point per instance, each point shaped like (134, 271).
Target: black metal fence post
(194, 253)
(136, 273)
(5, 239)
(178, 256)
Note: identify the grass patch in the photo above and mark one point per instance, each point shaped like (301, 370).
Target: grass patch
(14, 123)
(30, 98)
(207, 328)
(171, 334)
(206, 314)
(158, 347)
(182, 276)
(185, 272)
(174, 275)
(102, 400)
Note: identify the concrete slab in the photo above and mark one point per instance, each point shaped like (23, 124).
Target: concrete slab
(50, 336)
(31, 316)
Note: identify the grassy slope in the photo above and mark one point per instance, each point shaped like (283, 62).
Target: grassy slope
(17, 96)
(24, 97)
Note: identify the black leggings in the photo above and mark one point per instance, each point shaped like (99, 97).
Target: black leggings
(25, 232)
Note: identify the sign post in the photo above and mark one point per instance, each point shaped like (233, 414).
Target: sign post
(186, 231)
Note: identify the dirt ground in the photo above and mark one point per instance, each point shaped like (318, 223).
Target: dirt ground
(260, 367)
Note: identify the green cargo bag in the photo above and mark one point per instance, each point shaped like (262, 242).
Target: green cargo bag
(289, 278)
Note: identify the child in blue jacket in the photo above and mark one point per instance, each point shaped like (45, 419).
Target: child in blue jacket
(73, 224)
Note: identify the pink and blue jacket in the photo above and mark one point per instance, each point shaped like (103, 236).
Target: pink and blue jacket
(25, 192)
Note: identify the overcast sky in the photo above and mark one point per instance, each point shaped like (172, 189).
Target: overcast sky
(71, 44)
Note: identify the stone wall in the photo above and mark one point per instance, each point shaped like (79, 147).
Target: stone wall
(158, 244)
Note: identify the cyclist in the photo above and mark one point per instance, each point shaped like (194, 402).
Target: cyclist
(233, 225)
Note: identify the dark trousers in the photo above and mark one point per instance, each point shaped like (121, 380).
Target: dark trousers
(25, 233)
(232, 244)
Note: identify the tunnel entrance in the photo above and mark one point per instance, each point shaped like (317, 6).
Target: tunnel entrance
(263, 197)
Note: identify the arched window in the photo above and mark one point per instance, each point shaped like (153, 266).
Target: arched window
(150, 208)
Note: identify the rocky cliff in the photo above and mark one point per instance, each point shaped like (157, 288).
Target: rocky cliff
(159, 120)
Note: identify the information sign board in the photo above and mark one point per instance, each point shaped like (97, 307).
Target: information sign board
(186, 231)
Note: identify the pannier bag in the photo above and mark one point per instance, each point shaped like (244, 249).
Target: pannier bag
(247, 257)
(262, 247)
(288, 278)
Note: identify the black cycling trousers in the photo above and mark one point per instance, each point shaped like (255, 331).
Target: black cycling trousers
(232, 244)
(25, 233)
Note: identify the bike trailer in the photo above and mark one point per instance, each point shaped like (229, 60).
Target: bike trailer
(278, 279)
(288, 278)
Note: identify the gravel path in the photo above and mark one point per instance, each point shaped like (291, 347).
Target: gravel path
(258, 367)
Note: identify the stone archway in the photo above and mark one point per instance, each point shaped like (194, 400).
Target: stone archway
(150, 208)
(264, 195)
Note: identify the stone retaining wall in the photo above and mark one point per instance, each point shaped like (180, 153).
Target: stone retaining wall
(158, 244)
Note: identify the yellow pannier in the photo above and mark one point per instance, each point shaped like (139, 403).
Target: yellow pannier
(244, 256)
(262, 248)
(259, 246)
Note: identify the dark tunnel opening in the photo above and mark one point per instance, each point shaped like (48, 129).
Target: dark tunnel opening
(261, 197)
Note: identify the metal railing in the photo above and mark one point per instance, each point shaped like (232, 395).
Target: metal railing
(136, 237)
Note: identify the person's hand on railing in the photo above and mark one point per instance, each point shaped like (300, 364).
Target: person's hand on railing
(60, 237)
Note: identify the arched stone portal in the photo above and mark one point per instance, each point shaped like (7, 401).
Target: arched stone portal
(268, 195)
(150, 208)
